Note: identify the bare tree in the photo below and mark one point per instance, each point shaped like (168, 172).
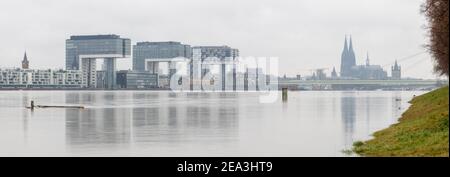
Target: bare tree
(437, 14)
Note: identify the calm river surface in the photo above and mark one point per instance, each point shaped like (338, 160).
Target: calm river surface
(162, 123)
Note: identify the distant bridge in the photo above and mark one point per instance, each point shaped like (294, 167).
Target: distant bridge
(346, 84)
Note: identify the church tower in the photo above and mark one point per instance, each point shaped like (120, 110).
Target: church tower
(25, 62)
(351, 54)
(348, 59)
(334, 73)
(344, 56)
(396, 71)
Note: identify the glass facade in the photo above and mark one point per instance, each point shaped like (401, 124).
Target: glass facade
(220, 52)
(107, 47)
(158, 50)
(136, 80)
(94, 45)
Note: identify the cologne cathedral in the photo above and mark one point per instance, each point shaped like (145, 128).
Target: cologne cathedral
(350, 70)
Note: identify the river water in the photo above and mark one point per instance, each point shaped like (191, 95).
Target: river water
(163, 123)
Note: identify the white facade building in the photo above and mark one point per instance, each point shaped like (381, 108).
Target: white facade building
(28, 78)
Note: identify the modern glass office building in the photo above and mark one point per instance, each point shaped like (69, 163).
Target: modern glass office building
(225, 55)
(221, 52)
(157, 50)
(136, 80)
(94, 45)
(82, 52)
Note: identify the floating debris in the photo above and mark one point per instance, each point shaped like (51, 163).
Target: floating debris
(32, 106)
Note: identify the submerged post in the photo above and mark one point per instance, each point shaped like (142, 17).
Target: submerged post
(284, 94)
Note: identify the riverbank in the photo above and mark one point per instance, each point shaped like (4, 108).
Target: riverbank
(80, 89)
(422, 130)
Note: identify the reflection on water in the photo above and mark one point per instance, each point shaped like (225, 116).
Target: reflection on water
(139, 123)
(348, 116)
(357, 111)
(169, 121)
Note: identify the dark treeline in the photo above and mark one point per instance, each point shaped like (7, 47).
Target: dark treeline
(437, 14)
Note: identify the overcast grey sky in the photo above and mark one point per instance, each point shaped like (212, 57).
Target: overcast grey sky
(304, 34)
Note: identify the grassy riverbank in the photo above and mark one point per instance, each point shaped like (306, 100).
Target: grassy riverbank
(422, 130)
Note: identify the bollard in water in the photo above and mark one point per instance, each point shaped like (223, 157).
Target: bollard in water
(284, 94)
(32, 104)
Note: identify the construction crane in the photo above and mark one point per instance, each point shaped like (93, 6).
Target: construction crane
(314, 70)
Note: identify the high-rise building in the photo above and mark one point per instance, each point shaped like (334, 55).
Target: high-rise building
(25, 62)
(143, 52)
(396, 71)
(220, 52)
(226, 56)
(148, 55)
(82, 52)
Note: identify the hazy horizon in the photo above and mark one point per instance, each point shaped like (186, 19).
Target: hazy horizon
(303, 34)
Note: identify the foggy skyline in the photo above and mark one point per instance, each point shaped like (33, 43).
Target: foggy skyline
(303, 34)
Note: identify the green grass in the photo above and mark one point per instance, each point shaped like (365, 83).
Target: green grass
(421, 131)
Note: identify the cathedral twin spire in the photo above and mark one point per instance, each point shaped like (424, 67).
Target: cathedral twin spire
(351, 53)
(349, 69)
(348, 59)
(345, 51)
